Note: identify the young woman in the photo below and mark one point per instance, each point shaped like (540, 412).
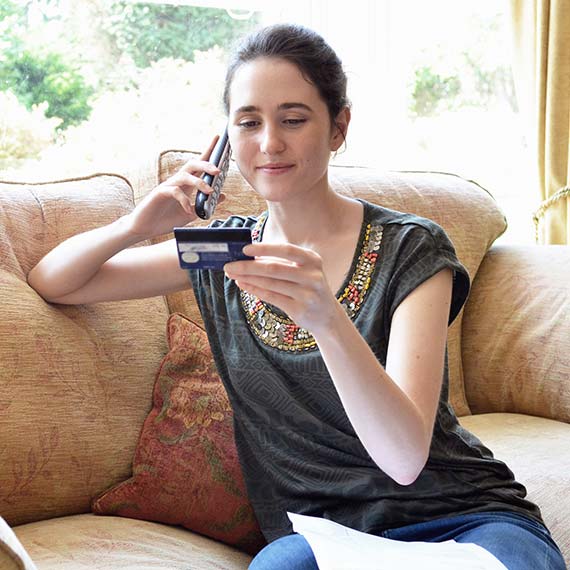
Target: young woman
(331, 343)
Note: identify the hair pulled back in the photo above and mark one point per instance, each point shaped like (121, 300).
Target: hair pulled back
(317, 61)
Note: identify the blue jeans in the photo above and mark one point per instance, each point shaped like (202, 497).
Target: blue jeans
(518, 542)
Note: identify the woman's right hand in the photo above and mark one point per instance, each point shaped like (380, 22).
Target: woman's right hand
(171, 203)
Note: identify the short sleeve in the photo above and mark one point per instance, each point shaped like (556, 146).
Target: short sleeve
(422, 251)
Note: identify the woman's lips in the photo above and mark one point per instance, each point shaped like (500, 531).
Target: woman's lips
(275, 168)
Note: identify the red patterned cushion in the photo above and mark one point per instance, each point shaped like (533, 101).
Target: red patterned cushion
(186, 470)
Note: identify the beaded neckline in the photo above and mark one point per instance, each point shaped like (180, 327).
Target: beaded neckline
(279, 331)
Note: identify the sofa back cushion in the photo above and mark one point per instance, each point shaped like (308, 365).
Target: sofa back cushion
(466, 211)
(75, 381)
(516, 332)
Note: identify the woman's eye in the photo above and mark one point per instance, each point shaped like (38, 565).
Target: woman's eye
(294, 122)
(248, 124)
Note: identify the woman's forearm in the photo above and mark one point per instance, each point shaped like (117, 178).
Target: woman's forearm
(387, 422)
(74, 262)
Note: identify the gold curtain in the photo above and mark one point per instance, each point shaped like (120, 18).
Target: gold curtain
(542, 78)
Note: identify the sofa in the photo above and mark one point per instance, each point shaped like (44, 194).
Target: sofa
(78, 384)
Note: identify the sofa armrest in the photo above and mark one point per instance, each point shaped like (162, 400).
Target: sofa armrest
(516, 332)
(13, 556)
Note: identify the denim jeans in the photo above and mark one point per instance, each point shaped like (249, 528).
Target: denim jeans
(518, 542)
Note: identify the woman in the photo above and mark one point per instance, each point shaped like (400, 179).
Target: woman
(332, 342)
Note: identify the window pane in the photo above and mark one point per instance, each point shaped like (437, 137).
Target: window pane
(432, 89)
(105, 85)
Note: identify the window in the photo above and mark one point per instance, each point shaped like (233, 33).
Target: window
(105, 85)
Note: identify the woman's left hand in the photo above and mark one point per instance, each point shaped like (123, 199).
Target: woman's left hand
(289, 277)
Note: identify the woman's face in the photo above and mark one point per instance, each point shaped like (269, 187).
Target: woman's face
(280, 130)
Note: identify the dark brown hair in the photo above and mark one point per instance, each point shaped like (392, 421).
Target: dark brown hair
(302, 47)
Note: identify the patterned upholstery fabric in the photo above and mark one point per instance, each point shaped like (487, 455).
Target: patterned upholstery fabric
(536, 450)
(75, 381)
(525, 368)
(468, 213)
(13, 556)
(93, 542)
(186, 469)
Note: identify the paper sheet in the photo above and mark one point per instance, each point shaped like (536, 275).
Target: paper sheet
(337, 547)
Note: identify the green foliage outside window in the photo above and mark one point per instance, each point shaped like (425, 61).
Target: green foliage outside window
(48, 78)
(145, 33)
(67, 65)
(447, 79)
(432, 91)
(149, 32)
(12, 21)
(39, 76)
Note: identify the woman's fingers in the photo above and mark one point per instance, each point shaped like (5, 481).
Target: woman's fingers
(198, 167)
(188, 179)
(272, 268)
(208, 152)
(267, 295)
(267, 277)
(283, 287)
(188, 182)
(305, 305)
(293, 253)
(287, 276)
(183, 199)
(202, 164)
(287, 263)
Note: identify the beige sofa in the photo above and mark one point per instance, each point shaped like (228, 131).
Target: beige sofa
(76, 383)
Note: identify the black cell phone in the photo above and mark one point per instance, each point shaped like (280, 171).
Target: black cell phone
(206, 203)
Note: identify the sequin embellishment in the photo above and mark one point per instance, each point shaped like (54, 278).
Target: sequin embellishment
(279, 331)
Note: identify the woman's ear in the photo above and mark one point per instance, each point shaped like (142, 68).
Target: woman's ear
(340, 128)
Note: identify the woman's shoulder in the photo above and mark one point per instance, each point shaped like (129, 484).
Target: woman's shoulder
(404, 224)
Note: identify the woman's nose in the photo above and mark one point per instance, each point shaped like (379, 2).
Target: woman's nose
(271, 141)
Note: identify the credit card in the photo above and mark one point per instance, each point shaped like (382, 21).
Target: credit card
(210, 248)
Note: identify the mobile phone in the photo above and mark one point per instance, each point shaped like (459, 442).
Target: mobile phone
(210, 248)
(206, 203)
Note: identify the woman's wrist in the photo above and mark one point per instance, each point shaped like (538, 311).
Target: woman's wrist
(333, 326)
(125, 225)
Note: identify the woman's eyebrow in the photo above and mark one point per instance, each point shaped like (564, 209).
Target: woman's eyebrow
(246, 109)
(295, 105)
(281, 107)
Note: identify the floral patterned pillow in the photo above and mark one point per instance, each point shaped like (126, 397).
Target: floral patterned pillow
(186, 470)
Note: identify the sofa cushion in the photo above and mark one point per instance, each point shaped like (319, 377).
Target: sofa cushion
(468, 213)
(13, 555)
(75, 381)
(536, 450)
(102, 543)
(186, 470)
(517, 355)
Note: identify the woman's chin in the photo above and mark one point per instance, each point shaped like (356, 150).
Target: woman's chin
(274, 193)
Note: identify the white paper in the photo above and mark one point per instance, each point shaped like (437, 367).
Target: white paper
(337, 547)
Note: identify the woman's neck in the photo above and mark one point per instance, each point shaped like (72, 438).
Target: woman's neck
(306, 221)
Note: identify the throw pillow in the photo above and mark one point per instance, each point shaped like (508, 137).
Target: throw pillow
(185, 469)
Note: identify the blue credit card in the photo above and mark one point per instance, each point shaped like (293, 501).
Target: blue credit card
(210, 248)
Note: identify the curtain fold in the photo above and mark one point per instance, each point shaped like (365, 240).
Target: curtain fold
(541, 67)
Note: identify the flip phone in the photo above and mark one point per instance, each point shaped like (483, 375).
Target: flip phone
(206, 203)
